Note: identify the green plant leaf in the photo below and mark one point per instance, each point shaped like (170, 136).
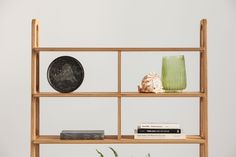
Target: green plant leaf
(101, 155)
(115, 153)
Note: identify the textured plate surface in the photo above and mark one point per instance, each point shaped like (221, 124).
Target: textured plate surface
(65, 74)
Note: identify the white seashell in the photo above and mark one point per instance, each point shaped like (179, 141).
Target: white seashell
(151, 83)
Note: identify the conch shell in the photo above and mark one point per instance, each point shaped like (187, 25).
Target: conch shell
(151, 83)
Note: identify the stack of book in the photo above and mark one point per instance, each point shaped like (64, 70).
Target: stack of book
(82, 135)
(158, 131)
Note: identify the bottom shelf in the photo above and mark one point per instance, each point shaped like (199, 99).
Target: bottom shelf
(112, 139)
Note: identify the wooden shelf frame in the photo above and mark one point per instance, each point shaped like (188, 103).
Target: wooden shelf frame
(37, 139)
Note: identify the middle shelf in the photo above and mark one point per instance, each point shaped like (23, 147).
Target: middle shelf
(117, 94)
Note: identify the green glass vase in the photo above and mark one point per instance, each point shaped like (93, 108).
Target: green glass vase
(173, 73)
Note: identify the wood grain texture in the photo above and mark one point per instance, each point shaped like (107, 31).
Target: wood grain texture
(113, 139)
(124, 49)
(35, 34)
(34, 88)
(203, 88)
(34, 150)
(76, 94)
(117, 94)
(180, 94)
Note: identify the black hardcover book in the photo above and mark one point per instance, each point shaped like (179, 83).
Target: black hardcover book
(159, 131)
(82, 135)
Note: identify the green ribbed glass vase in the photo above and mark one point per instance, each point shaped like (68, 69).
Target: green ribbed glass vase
(173, 73)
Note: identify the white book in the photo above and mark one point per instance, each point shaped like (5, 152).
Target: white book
(158, 136)
(154, 125)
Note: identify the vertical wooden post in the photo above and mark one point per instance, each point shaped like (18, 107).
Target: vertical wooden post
(119, 95)
(34, 88)
(203, 88)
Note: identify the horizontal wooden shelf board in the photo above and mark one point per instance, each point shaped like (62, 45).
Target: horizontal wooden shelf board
(116, 94)
(95, 49)
(76, 94)
(177, 94)
(112, 139)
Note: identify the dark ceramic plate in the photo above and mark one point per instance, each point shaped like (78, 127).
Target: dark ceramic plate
(65, 74)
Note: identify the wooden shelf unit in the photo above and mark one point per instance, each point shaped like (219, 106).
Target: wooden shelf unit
(37, 139)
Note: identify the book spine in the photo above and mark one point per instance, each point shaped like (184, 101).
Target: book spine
(159, 136)
(81, 136)
(160, 126)
(159, 131)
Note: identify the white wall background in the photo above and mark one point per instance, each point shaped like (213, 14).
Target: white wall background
(110, 23)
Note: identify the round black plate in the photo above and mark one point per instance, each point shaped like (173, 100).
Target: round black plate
(65, 74)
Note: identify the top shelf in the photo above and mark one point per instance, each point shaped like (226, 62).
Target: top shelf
(188, 49)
